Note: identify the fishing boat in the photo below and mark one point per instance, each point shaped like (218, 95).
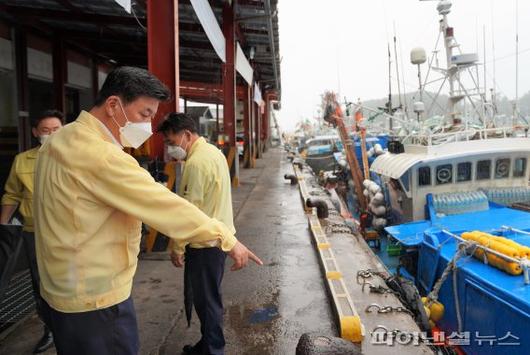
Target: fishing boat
(448, 206)
(439, 197)
(318, 152)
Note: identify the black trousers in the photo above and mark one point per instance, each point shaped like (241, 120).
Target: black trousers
(29, 246)
(106, 331)
(206, 267)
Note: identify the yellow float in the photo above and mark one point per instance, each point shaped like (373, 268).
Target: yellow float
(499, 244)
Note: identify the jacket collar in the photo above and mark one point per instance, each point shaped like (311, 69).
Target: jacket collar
(95, 125)
(199, 142)
(32, 153)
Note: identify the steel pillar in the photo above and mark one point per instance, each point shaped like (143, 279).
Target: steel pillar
(265, 124)
(252, 127)
(217, 132)
(163, 59)
(247, 126)
(229, 92)
(259, 119)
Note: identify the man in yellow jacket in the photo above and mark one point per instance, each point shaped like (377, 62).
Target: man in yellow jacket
(19, 195)
(90, 198)
(205, 183)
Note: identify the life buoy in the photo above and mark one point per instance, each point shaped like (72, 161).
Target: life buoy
(502, 169)
(443, 175)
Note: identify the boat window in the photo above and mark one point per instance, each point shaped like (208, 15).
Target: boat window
(424, 176)
(463, 172)
(405, 181)
(444, 174)
(483, 169)
(502, 168)
(519, 167)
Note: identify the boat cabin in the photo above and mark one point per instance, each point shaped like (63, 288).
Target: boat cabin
(498, 167)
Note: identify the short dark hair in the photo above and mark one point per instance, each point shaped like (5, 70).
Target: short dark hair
(46, 114)
(176, 122)
(129, 83)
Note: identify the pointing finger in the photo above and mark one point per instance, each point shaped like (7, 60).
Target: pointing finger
(253, 257)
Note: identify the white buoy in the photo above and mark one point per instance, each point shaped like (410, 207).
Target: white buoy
(379, 210)
(374, 188)
(379, 223)
(379, 197)
(378, 149)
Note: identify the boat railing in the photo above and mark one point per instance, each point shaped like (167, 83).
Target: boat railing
(464, 135)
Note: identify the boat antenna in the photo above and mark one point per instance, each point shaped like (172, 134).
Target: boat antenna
(389, 108)
(484, 45)
(516, 104)
(494, 86)
(484, 97)
(403, 77)
(397, 67)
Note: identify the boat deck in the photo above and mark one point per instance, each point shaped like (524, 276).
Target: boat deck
(411, 234)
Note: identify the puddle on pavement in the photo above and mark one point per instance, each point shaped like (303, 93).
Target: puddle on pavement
(264, 315)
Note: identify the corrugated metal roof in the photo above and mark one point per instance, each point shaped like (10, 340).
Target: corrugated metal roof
(103, 27)
(395, 165)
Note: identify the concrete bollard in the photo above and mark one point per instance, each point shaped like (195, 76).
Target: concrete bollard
(292, 177)
(321, 205)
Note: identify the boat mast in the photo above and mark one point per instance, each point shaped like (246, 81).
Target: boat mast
(444, 8)
(397, 68)
(516, 103)
(484, 46)
(494, 86)
(389, 103)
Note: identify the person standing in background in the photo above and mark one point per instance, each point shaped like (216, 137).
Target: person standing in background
(19, 195)
(206, 184)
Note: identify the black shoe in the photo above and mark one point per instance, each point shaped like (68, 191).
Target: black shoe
(190, 350)
(45, 343)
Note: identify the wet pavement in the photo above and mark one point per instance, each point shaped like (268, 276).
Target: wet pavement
(267, 308)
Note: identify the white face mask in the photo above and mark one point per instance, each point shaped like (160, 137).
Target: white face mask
(133, 134)
(176, 151)
(43, 138)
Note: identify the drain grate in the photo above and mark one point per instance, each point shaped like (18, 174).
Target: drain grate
(18, 301)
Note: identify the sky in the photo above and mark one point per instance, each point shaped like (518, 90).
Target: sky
(341, 45)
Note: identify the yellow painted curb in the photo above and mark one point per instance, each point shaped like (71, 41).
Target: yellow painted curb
(351, 328)
(323, 246)
(334, 275)
(350, 325)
